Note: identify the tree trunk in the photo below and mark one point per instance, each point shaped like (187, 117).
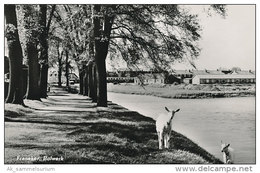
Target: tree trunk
(94, 76)
(67, 69)
(44, 80)
(59, 65)
(33, 89)
(85, 82)
(90, 80)
(44, 52)
(59, 72)
(102, 31)
(101, 82)
(15, 91)
(81, 75)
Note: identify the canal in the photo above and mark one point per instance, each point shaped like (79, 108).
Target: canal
(205, 121)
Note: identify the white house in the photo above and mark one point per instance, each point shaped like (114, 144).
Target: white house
(223, 79)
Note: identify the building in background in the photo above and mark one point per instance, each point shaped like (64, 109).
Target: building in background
(150, 78)
(53, 77)
(224, 79)
(220, 76)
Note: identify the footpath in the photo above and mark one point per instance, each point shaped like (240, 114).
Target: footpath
(70, 128)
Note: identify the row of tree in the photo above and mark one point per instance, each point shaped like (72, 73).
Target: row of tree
(141, 35)
(35, 45)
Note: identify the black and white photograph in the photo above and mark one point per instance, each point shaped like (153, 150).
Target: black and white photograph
(129, 84)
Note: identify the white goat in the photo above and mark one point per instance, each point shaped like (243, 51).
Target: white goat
(164, 128)
(228, 153)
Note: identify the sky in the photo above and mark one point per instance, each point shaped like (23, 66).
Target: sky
(228, 42)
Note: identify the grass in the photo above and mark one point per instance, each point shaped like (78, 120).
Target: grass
(185, 91)
(100, 135)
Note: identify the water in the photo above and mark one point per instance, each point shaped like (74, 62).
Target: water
(205, 121)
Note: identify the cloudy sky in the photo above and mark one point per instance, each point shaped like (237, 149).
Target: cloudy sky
(226, 42)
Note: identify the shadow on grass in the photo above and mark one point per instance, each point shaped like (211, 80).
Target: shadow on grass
(131, 132)
(55, 94)
(106, 136)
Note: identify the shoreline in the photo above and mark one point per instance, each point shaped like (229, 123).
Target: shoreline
(193, 96)
(176, 92)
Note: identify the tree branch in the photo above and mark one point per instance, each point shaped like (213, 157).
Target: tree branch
(50, 18)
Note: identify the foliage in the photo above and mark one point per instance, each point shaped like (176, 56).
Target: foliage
(220, 9)
(68, 32)
(10, 30)
(155, 35)
(31, 23)
(151, 35)
(28, 26)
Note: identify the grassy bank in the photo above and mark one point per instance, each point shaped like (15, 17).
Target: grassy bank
(185, 91)
(90, 134)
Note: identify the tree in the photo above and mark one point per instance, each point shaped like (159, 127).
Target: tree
(75, 21)
(67, 48)
(15, 92)
(60, 68)
(102, 32)
(67, 65)
(60, 64)
(83, 81)
(56, 55)
(31, 26)
(45, 26)
(154, 35)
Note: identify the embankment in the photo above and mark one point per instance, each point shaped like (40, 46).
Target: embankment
(185, 91)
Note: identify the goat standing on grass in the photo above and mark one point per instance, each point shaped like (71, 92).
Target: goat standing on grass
(164, 128)
(228, 153)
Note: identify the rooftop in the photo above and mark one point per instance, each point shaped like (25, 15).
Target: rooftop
(226, 76)
(244, 72)
(153, 75)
